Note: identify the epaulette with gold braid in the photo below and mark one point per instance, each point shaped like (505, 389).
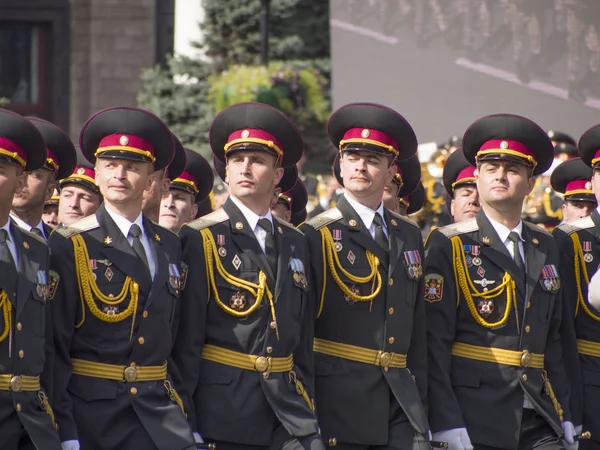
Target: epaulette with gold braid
(288, 225)
(404, 218)
(31, 235)
(85, 224)
(218, 216)
(454, 229)
(576, 225)
(325, 218)
(537, 228)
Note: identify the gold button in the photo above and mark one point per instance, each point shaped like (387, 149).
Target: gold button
(391, 281)
(261, 364)
(273, 325)
(21, 353)
(524, 377)
(391, 311)
(528, 305)
(141, 340)
(18, 407)
(527, 329)
(145, 314)
(332, 442)
(16, 383)
(130, 374)
(391, 340)
(19, 326)
(133, 390)
(269, 349)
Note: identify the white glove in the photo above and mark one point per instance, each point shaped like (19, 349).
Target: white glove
(594, 291)
(457, 439)
(570, 433)
(197, 438)
(70, 445)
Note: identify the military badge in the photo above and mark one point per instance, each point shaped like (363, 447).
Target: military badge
(108, 240)
(434, 287)
(93, 264)
(413, 263)
(108, 273)
(587, 248)
(237, 301)
(475, 252)
(110, 310)
(174, 277)
(550, 280)
(355, 290)
(157, 238)
(54, 278)
(221, 242)
(484, 282)
(299, 276)
(337, 237)
(351, 257)
(486, 240)
(481, 271)
(41, 282)
(485, 307)
(184, 273)
(237, 262)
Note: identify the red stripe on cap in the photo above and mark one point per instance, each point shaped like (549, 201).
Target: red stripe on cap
(372, 135)
(254, 135)
(507, 144)
(188, 177)
(578, 185)
(467, 172)
(53, 158)
(8, 146)
(120, 140)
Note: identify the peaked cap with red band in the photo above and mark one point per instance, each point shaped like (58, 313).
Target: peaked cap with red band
(563, 144)
(20, 142)
(83, 175)
(507, 137)
(589, 147)
(372, 127)
(415, 201)
(127, 133)
(295, 198)
(62, 156)
(458, 172)
(572, 178)
(255, 126)
(407, 177)
(287, 182)
(197, 178)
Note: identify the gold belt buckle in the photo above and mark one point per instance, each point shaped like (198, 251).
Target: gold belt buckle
(385, 359)
(526, 358)
(261, 364)
(131, 374)
(16, 383)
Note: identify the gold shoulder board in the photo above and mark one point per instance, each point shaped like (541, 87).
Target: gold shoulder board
(454, 229)
(325, 218)
(213, 218)
(576, 225)
(85, 224)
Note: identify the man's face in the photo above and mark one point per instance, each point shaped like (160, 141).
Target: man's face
(573, 210)
(402, 209)
(176, 208)
(39, 187)
(122, 181)
(282, 211)
(390, 196)
(76, 202)
(50, 215)
(465, 203)
(503, 184)
(12, 181)
(366, 173)
(159, 186)
(252, 174)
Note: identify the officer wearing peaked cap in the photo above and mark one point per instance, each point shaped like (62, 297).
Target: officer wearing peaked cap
(579, 244)
(117, 280)
(249, 315)
(290, 202)
(79, 195)
(26, 350)
(191, 186)
(572, 179)
(28, 205)
(459, 181)
(50, 214)
(494, 304)
(412, 203)
(370, 337)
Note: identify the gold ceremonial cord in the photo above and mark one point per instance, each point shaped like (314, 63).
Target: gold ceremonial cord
(548, 207)
(43, 398)
(436, 203)
(88, 286)
(300, 390)
(257, 290)
(331, 257)
(464, 283)
(6, 307)
(174, 396)
(550, 393)
(581, 267)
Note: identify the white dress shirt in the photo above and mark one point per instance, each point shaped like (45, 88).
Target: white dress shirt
(24, 225)
(125, 225)
(11, 244)
(252, 218)
(367, 215)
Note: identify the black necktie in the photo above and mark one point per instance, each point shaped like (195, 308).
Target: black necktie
(514, 238)
(38, 232)
(266, 225)
(135, 232)
(380, 236)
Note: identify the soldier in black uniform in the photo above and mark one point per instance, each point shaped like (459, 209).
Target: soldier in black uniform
(370, 341)
(28, 205)
(290, 202)
(50, 214)
(413, 203)
(579, 244)
(244, 343)
(79, 194)
(26, 348)
(459, 181)
(494, 305)
(193, 185)
(116, 297)
(572, 179)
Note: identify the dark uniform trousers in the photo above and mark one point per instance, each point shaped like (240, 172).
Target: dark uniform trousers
(229, 319)
(498, 343)
(369, 403)
(125, 319)
(579, 244)
(27, 347)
